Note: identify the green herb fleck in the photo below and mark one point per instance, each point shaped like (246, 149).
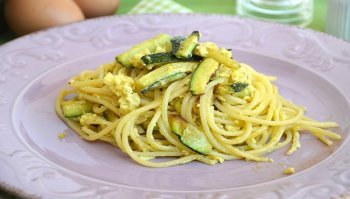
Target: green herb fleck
(239, 86)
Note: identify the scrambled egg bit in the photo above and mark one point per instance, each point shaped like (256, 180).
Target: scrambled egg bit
(238, 82)
(202, 49)
(91, 119)
(289, 171)
(122, 86)
(62, 135)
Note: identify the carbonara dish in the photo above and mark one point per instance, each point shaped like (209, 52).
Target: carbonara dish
(173, 100)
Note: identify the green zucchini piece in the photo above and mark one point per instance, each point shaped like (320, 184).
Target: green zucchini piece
(110, 115)
(175, 43)
(239, 86)
(202, 74)
(188, 45)
(164, 75)
(74, 108)
(164, 81)
(189, 135)
(146, 47)
(195, 140)
(159, 58)
(177, 124)
(164, 58)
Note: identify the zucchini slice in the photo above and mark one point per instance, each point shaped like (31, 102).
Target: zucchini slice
(202, 74)
(74, 108)
(146, 47)
(164, 81)
(164, 75)
(189, 135)
(159, 58)
(188, 45)
(164, 58)
(196, 140)
(175, 43)
(177, 124)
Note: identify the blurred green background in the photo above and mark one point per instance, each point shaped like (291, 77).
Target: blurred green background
(198, 6)
(229, 7)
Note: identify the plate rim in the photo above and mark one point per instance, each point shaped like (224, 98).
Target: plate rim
(20, 39)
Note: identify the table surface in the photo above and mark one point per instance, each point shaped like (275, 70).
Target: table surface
(204, 6)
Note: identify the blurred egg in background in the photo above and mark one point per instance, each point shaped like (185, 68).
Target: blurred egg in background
(97, 8)
(25, 16)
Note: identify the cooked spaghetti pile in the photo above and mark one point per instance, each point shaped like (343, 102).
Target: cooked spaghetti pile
(178, 98)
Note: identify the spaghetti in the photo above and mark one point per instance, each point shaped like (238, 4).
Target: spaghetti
(236, 125)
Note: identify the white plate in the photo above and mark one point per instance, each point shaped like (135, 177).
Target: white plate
(313, 69)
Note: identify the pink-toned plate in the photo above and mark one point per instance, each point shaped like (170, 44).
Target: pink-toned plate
(313, 70)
